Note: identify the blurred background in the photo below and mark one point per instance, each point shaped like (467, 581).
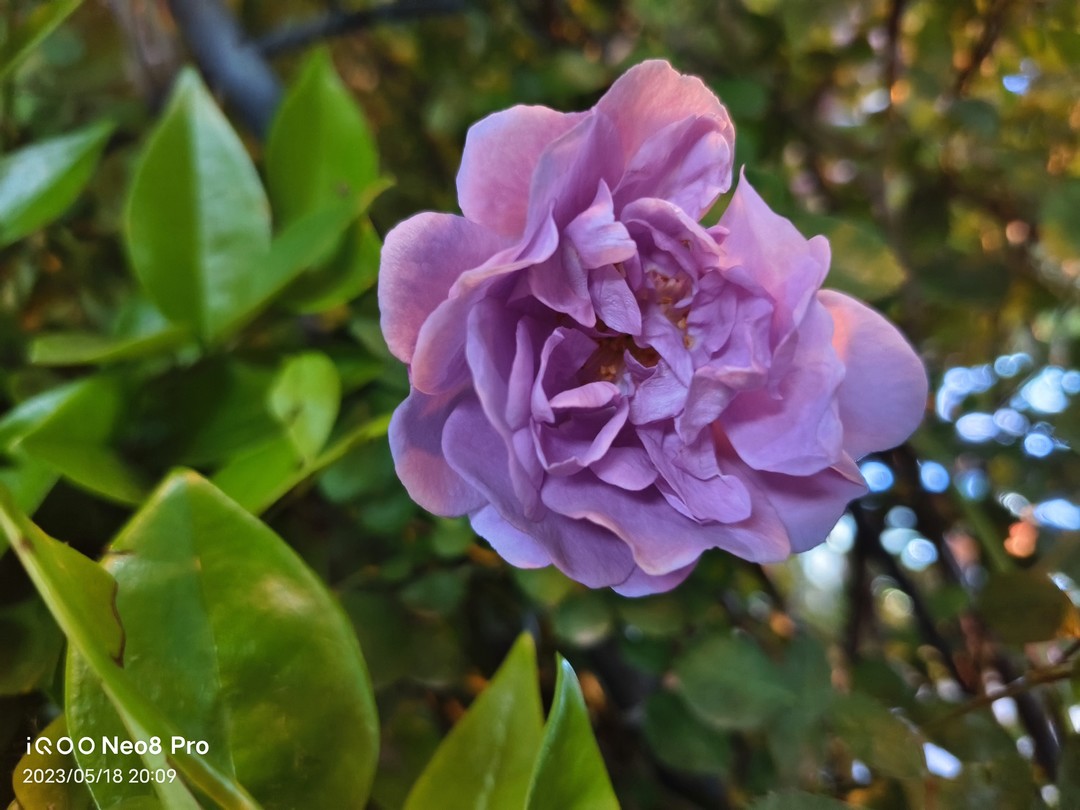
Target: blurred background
(937, 145)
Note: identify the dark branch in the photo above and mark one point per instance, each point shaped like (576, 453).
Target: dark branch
(231, 64)
(337, 23)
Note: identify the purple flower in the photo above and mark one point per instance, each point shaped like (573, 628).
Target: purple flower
(605, 385)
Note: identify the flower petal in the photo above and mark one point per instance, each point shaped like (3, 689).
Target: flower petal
(416, 431)
(585, 552)
(799, 431)
(514, 546)
(810, 505)
(641, 584)
(501, 153)
(651, 96)
(883, 395)
(421, 259)
(769, 254)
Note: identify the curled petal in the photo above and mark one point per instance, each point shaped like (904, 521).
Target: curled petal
(883, 395)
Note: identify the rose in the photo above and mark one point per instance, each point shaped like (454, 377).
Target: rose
(600, 382)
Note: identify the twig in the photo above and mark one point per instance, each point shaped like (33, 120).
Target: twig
(337, 23)
(1015, 688)
(231, 64)
(993, 23)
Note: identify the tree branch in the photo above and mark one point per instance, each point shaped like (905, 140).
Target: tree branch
(337, 23)
(231, 64)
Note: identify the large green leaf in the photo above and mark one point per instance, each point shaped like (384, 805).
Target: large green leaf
(862, 263)
(196, 214)
(40, 181)
(320, 148)
(485, 761)
(39, 24)
(569, 772)
(81, 596)
(878, 737)
(1069, 773)
(731, 684)
(139, 330)
(74, 438)
(229, 633)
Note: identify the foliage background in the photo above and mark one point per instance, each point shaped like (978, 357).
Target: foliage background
(935, 143)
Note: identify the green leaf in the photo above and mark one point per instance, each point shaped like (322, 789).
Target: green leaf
(40, 23)
(30, 644)
(569, 772)
(798, 800)
(53, 795)
(258, 478)
(681, 741)
(352, 271)
(305, 399)
(230, 634)
(39, 182)
(862, 262)
(584, 619)
(320, 149)
(82, 598)
(139, 331)
(486, 759)
(303, 244)
(1057, 219)
(29, 481)
(74, 439)
(196, 214)
(878, 737)
(731, 684)
(1024, 606)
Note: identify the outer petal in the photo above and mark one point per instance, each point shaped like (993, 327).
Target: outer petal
(651, 96)
(421, 259)
(514, 546)
(883, 396)
(641, 584)
(809, 506)
(416, 431)
(497, 165)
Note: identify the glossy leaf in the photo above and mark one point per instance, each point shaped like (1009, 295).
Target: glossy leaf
(486, 760)
(231, 634)
(32, 794)
(731, 684)
(320, 148)
(74, 438)
(1025, 606)
(28, 481)
(196, 214)
(352, 271)
(259, 477)
(569, 772)
(39, 24)
(305, 399)
(39, 182)
(81, 596)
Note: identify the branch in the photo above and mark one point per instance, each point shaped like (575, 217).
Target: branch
(993, 23)
(337, 23)
(231, 64)
(1015, 688)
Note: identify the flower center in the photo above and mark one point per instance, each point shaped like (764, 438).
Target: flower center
(608, 361)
